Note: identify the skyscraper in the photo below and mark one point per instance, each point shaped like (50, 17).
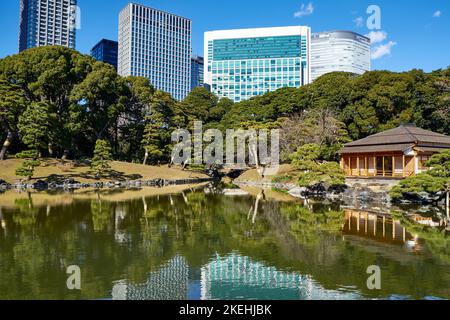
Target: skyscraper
(197, 72)
(47, 22)
(156, 45)
(339, 51)
(106, 51)
(241, 64)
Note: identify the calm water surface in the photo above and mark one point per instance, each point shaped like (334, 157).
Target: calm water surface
(201, 245)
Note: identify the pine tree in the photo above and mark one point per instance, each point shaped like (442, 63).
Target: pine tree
(35, 126)
(156, 137)
(313, 171)
(152, 137)
(432, 182)
(102, 157)
(26, 169)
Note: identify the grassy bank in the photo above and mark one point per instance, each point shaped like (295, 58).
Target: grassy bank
(286, 173)
(270, 194)
(55, 170)
(9, 199)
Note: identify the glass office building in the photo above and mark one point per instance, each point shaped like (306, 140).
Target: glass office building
(241, 64)
(156, 45)
(339, 51)
(47, 22)
(106, 51)
(197, 72)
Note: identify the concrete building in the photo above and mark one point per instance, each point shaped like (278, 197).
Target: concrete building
(197, 72)
(156, 45)
(106, 51)
(339, 51)
(46, 23)
(241, 64)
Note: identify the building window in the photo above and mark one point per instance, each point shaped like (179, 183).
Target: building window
(422, 162)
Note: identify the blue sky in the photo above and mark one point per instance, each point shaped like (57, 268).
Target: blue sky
(413, 34)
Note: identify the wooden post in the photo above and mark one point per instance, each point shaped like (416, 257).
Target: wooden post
(375, 226)
(350, 222)
(359, 222)
(384, 169)
(393, 230)
(384, 227)
(415, 164)
(404, 166)
(366, 162)
(393, 166)
(366, 226)
(375, 166)
(350, 165)
(358, 166)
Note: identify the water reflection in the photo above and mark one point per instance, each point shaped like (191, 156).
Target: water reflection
(378, 226)
(204, 245)
(170, 282)
(237, 276)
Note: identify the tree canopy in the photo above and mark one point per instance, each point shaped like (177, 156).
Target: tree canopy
(312, 171)
(59, 102)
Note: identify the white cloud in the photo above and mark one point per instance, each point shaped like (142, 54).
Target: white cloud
(359, 22)
(383, 50)
(377, 36)
(305, 10)
(437, 14)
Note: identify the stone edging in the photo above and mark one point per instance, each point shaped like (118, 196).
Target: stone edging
(71, 185)
(350, 193)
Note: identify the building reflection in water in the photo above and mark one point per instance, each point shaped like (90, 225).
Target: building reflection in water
(238, 276)
(168, 283)
(225, 278)
(380, 227)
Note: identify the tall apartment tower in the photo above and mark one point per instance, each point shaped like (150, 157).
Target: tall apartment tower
(156, 45)
(339, 51)
(47, 22)
(241, 64)
(197, 72)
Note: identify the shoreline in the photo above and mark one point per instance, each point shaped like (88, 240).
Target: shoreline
(55, 174)
(136, 184)
(9, 198)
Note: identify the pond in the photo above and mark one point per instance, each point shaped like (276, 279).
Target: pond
(207, 244)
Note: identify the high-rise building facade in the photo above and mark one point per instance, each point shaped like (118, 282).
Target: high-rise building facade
(339, 51)
(156, 45)
(47, 22)
(241, 64)
(106, 51)
(197, 72)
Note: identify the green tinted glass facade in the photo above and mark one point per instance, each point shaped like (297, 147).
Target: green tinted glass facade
(258, 48)
(247, 67)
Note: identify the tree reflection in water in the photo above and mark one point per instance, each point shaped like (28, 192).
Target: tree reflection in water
(136, 243)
